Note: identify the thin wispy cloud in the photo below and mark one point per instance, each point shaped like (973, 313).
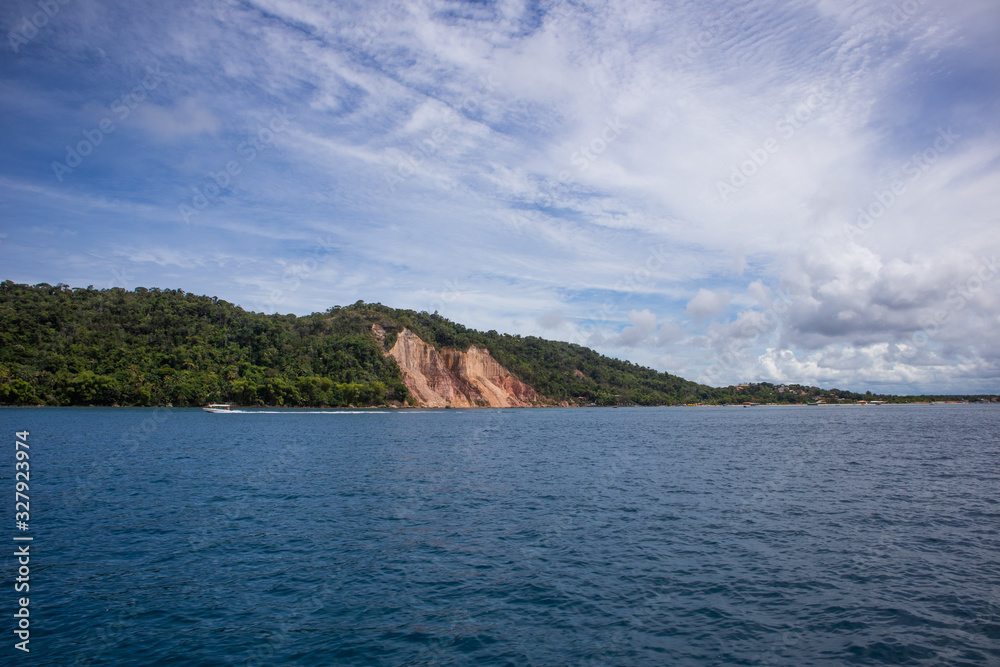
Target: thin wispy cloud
(798, 192)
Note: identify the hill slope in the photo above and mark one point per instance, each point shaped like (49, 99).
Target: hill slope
(76, 346)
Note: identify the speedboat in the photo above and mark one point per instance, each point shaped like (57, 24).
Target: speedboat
(218, 407)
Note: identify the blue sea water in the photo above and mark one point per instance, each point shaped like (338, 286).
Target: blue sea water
(647, 536)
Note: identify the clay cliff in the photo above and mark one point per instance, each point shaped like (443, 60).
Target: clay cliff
(438, 379)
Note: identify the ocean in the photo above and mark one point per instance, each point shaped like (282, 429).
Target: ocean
(860, 535)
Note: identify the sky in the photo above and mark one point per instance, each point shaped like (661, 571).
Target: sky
(793, 192)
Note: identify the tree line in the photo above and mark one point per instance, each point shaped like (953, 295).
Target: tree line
(84, 346)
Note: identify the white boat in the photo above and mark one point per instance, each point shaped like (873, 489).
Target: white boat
(218, 407)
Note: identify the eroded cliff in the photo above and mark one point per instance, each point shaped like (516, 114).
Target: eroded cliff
(454, 378)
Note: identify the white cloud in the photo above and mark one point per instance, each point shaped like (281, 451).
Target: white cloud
(642, 325)
(188, 117)
(551, 319)
(707, 303)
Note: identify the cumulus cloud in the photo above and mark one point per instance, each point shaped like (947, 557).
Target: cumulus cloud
(551, 319)
(670, 332)
(707, 303)
(642, 325)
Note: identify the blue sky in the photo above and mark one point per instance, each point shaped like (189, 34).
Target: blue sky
(790, 192)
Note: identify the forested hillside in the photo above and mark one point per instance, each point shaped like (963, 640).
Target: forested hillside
(82, 346)
(63, 346)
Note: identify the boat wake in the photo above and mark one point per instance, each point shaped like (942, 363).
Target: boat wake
(304, 412)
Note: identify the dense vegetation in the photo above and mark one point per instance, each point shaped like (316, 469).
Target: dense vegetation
(62, 346)
(66, 346)
(559, 371)
(76, 346)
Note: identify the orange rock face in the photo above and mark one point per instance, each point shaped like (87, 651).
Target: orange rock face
(458, 379)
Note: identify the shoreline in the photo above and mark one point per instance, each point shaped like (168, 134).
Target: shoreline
(521, 407)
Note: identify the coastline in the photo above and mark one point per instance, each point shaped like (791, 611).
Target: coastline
(299, 408)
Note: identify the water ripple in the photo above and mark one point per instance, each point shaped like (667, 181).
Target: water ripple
(518, 537)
